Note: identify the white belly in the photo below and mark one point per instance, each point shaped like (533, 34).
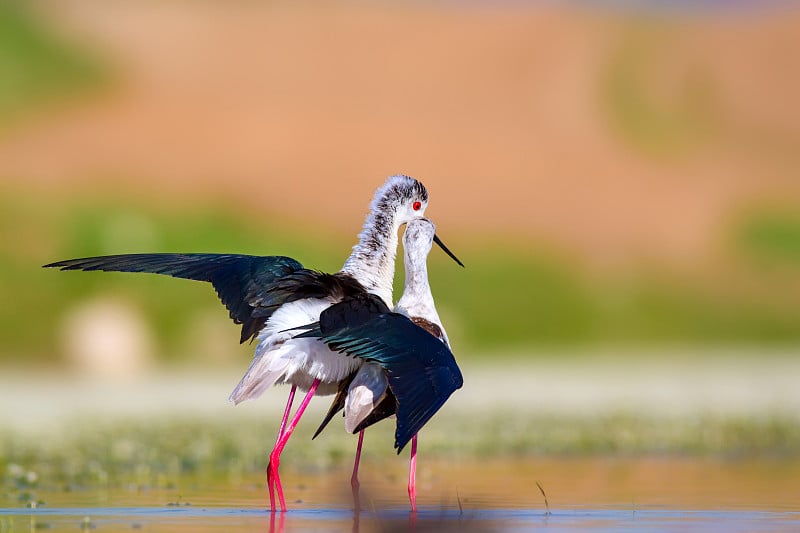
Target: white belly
(280, 358)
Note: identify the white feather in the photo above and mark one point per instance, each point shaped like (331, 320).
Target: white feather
(366, 391)
(280, 358)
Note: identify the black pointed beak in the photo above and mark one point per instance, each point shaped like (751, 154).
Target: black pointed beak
(438, 241)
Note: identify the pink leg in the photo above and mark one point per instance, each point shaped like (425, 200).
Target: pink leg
(275, 456)
(354, 478)
(286, 412)
(412, 475)
(270, 482)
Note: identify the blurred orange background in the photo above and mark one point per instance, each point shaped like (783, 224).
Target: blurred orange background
(616, 135)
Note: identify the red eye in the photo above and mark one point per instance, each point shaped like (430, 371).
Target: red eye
(416, 206)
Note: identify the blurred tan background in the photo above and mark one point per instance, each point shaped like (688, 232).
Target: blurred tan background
(618, 179)
(615, 135)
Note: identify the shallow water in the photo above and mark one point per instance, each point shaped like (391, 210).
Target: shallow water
(238, 519)
(599, 493)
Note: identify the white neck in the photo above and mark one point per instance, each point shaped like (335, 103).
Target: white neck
(417, 300)
(373, 258)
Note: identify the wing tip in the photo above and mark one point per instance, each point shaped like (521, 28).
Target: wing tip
(61, 265)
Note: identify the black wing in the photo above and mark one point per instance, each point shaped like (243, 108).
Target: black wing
(305, 283)
(243, 282)
(386, 408)
(336, 405)
(353, 311)
(422, 370)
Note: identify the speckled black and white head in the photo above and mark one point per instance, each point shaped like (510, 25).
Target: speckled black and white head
(400, 196)
(398, 201)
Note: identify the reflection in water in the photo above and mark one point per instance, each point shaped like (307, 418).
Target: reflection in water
(610, 493)
(281, 518)
(208, 519)
(356, 518)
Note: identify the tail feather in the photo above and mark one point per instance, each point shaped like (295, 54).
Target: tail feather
(265, 370)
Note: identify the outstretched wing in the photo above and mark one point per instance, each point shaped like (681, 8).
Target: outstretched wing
(242, 282)
(422, 370)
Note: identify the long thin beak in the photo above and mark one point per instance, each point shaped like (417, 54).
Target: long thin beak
(438, 241)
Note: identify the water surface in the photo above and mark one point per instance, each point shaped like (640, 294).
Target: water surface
(238, 519)
(599, 494)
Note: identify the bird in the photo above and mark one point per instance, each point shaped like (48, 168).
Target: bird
(410, 369)
(270, 296)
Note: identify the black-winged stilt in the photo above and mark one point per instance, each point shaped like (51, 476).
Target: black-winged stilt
(272, 296)
(410, 370)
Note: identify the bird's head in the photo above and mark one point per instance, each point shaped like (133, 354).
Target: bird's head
(401, 196)
(420, 235)
(402, 200)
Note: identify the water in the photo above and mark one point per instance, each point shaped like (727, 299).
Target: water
(597, 494)
(238, 519)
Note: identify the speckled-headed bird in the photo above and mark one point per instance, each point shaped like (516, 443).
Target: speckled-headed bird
(271, 296)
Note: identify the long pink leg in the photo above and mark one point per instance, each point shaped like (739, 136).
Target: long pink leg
(270, 482)
(275, 456)
(412, 475)
(286, 412)
(354, 478)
